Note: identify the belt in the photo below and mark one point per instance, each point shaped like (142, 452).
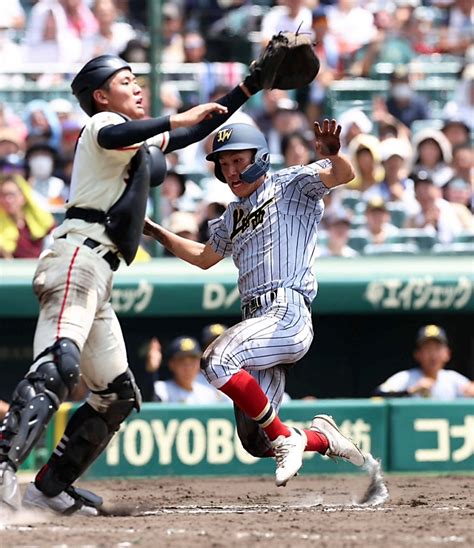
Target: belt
(110, 257)
(287, 295)
(256, 303)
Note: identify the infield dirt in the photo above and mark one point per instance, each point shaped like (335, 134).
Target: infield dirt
(237, 512)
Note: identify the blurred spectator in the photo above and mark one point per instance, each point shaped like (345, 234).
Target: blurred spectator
(10, 120)
(112, 35)
(80, 19)
(429, 379)
(327, 50)
(463, 163)
(49, 39)
(297, 150)
(353, 122)
(403, 102)
(195, 52)
(287, 16)
(286, 120)
(10, 142)
(352, 25)
(364, 151)
(264, 116)
(396, 186)
(12, 15)
(387, 46)
(210, 333)
(459, 194)
(433, 153)
(184, 359)
(456, 131)
(457, 37)
(42, 124)
(24, 224)
(172, 27)
(461, 107)
(419, 29)
(136, 50)
(184, 224)
(213, 210)
(434, 213)
(338, 235)
(11, 53)
(378, 228)
(42, 161)
(3, 409)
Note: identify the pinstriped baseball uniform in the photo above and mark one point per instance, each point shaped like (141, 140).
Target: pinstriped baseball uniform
(272, 237)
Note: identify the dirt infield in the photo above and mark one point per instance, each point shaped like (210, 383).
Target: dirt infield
(228, 512)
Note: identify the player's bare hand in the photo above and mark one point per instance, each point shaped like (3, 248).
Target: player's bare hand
(149, 227)
(328, 142)
(154, 356)
(197, 114)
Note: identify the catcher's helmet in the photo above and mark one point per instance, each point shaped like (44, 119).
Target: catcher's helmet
(92, 76)
(241, 137)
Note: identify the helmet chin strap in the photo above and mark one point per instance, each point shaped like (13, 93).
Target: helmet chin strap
(254, 171)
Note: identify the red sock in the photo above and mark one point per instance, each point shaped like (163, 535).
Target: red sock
(246, 393)
(316, 442)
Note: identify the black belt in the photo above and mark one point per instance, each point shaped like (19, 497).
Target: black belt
(110, 257)
(256, 303)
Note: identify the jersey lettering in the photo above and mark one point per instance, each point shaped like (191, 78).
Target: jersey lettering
(242, 221)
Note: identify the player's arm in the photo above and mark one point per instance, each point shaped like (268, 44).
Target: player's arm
(182, 137)
(131, 132)
(328, 145)
(196, 253)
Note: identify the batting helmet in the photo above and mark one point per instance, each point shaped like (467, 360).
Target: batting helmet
(92, 76)
(241, 137)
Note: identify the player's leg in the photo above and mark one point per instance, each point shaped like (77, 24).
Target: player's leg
(114, 394)
(281, 334)
(66, 314)
(254, 439)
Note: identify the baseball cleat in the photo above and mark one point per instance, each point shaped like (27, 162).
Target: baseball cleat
(288, 453)
(66, 503)
(339, 445)
(9, 490)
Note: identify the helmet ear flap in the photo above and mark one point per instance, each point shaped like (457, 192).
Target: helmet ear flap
(259, 167)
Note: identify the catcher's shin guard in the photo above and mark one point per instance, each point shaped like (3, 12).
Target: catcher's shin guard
(87, 434)
(36, 398)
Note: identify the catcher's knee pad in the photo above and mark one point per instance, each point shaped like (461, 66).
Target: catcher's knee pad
(37, 397)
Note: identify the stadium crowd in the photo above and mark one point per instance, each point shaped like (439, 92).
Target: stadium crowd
(397, 74)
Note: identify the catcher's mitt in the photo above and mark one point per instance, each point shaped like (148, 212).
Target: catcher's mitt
(288, 62)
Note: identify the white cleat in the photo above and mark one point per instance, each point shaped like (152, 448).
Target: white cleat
(60, 504)
(289, 455)
(9, 490)
(339, 445)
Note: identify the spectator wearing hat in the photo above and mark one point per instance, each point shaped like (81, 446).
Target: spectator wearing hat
(430, 379)
(434, 213)
(210, 333)
(172, 28)
(184, 359)
(396, 186)
(24, 223)
(41, 160)
(378, 228)
(433, 153)
(403, 102)
(286, 119)
(10, 142)
(354, 122)
(338, 226)
(364, 151)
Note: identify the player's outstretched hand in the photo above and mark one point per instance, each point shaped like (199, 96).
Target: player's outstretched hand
(328, 142)
(149, 227)
(197, 114)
